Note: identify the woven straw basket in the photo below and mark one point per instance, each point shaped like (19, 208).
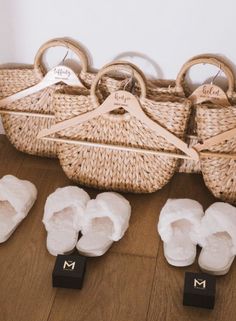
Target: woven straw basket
(118, 166)
(180, 88)
(24, 118)
(219, 170)
(217, 162)
(191, 166)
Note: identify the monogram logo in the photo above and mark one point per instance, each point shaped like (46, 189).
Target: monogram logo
(199, 284)
(69, 265)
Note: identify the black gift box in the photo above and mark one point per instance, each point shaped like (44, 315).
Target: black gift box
(199, 290)
(69, 271)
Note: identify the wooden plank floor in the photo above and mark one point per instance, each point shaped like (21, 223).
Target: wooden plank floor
(131, 282)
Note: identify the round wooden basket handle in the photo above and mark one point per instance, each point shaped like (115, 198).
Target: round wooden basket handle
(127, 63)
(206, 59)
(120, 66)
(60, 42)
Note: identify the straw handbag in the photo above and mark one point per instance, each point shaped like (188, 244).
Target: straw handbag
(214, 129)
(181, 89)
(25, 112)
(126, 143)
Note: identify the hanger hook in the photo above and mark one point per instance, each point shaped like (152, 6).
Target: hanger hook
(131, 81)
(217, 74)
(64, 58)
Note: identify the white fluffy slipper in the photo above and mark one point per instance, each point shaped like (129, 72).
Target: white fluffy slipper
(218, 239)
(16, 199)
(179, 226)
(63, 216)
(106, 220)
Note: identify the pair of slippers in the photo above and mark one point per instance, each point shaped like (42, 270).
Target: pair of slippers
(182, 225)
(16, 199)
(101, 221)
(68, 211)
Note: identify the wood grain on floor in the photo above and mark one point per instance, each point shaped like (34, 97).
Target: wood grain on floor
(131, 282)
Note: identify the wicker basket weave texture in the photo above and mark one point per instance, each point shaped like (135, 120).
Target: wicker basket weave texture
(116, 169)
(20, 129)
(219, 173)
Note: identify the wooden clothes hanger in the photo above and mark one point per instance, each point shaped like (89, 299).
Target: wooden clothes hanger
(54, 76)
(129, 103)
(216, 140)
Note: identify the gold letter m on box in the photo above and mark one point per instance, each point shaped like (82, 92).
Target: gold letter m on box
(199, 283)
(69, 265)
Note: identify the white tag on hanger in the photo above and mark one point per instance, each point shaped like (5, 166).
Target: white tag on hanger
(64, 74)
(209, 93)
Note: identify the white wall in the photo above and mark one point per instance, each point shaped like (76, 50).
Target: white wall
(167, 31)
